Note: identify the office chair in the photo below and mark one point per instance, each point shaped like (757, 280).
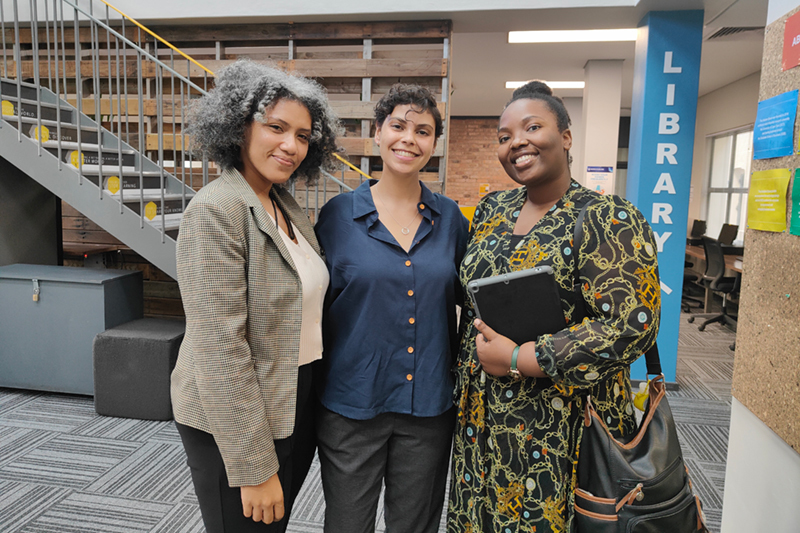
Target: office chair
(689, 300)
(714, 279)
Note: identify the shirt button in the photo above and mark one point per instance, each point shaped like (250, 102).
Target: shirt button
(308, 256)
(320, 287)
(409, 377)
(411, 293)
(432, 221)
(422, 206)
(411, 320)
(410, 349)
(408, 263)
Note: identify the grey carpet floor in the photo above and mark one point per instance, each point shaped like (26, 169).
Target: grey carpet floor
(65, 469)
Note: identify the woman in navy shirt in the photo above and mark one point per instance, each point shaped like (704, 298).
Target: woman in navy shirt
(393, 249)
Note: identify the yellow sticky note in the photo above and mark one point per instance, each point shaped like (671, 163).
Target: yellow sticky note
(112, 184)
(766, 201)
(73, 158)
(150, 210)
(42, 134)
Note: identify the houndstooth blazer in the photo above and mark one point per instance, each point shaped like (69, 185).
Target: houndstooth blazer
(236, 375)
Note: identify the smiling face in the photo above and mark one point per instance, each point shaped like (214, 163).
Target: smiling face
(275, 145)
(531, 149)
(407, 140)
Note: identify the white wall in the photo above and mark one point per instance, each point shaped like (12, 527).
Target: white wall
(727, 108)
(575, 109)
(762, 479)
(778, 8)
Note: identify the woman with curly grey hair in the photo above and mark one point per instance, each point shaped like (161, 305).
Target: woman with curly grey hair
(252, 281)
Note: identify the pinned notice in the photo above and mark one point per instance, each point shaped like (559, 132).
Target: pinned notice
(773, 133)
(600, 179)
(766, 202)
(794, 225)
(791, 42)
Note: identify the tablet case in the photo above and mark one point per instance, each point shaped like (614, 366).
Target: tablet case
(520, 305)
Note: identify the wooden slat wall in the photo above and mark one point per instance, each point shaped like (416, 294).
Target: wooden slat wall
(332, 53)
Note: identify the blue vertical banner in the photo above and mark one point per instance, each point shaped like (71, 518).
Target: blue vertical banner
(665, 84)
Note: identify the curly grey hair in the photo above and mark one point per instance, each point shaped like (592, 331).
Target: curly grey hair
(243, 91)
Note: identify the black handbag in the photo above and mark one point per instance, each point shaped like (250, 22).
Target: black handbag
(639, 485)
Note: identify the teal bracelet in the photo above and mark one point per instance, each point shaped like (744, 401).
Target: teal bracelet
(514, 356)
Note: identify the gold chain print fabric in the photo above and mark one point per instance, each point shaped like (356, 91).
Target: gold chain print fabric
(516, 442)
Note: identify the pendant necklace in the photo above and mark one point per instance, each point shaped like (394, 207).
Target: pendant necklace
(275, 208)
(405, 230)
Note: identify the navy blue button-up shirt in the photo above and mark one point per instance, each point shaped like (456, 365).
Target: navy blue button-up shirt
(389, 325)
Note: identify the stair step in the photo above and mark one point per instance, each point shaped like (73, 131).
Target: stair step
(9, 88)
(90, 158)
(129, 183)
(149, 195)
(133, 172)
(87, 146)
(69, 133)
(49, 111)
(173, 203)
(53, 125)
(171, 221)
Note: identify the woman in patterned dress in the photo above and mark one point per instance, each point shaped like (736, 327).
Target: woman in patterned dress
(516, 441)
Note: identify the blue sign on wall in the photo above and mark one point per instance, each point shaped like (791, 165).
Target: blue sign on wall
(773, 132)
(665, 84)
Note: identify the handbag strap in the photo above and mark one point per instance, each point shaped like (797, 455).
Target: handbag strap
(651, 355)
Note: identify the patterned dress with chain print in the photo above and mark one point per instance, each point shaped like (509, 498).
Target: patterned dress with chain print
(516, 442)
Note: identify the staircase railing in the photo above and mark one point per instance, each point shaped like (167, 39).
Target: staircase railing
(134, 84)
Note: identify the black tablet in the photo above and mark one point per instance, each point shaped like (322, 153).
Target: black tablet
(520, 305)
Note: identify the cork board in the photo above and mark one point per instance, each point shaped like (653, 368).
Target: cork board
(766, 376)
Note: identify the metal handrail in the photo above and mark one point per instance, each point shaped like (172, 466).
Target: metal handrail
(157, 36)
(144, 52)
(113, 151)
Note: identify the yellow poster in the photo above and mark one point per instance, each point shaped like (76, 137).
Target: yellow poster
(766, 202)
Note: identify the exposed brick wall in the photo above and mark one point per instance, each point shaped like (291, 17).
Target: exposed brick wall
(472, 160)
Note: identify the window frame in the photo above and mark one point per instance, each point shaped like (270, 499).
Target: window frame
(729, 191)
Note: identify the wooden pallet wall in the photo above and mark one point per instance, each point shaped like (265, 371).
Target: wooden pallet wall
(356, 62)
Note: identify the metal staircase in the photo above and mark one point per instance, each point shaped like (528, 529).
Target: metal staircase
(96, 121)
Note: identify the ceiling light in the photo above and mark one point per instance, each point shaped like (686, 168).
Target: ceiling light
(551, 84)
(572, 36)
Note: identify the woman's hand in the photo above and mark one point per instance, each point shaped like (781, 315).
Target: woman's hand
(264, 502)
(494, 350)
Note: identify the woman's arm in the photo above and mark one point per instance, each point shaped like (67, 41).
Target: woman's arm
(619, 283)
(212, 261)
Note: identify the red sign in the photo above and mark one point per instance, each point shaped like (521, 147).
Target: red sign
(791, 42)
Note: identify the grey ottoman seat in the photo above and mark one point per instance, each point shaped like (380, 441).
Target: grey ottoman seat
(132, 367)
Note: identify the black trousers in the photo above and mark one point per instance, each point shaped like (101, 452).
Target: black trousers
(220, 504)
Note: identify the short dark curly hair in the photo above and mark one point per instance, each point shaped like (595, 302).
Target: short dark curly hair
(243, 91)
(419, 98)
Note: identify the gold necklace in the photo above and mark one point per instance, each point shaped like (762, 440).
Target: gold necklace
(405, 230)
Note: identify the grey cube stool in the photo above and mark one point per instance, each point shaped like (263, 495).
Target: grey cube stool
(132, 367)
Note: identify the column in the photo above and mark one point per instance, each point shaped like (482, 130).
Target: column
(665, 84)
(601, 100)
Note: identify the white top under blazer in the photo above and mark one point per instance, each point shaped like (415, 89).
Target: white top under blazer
(314, 279)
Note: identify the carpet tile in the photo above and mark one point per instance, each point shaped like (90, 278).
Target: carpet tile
(94, 513)
(155, 472)
(65, 469)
